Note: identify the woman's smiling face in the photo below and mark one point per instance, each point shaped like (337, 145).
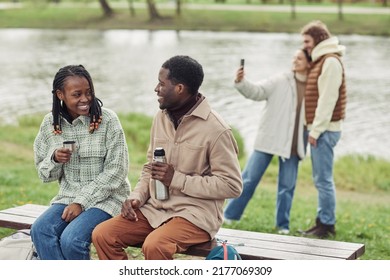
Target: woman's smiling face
(300, 63)
(77, 96)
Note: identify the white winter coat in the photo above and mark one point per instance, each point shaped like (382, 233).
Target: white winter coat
(277, 121)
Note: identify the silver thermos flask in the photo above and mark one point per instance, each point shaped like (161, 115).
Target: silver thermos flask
(161, 191)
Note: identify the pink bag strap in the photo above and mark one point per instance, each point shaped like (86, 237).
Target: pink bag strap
(225, 251)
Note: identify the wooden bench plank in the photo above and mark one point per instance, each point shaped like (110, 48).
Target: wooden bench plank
(250, 245)
(8, 221)
(297, 246)
(29, 210)
(287, 239)
(302, 245)
(20, 217)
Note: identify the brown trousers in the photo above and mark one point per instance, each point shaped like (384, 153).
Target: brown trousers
(175, 236)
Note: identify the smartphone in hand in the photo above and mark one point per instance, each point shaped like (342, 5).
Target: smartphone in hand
(242, 63)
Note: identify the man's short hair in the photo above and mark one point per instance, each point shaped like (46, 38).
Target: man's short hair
(185, 70)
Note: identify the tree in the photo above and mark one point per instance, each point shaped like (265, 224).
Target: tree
(131, 7)
(107, 11)
(293, 13)
(153, 13)
(178, 7)
(340, 2)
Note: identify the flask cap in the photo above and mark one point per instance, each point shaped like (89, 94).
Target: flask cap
(159, 152)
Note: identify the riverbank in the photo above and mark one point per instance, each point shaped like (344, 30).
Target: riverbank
(211, 17)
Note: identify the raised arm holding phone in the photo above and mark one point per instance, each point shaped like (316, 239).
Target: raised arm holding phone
(280, 133)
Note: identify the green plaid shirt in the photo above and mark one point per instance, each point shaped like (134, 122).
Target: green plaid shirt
(96, 175)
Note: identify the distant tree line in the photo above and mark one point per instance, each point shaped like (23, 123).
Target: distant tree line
(155, 15)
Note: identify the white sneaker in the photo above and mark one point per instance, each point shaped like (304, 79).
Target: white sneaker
(283, 231)
(228, 221)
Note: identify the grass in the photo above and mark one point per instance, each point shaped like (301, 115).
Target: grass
(89, 17)
(363, 187)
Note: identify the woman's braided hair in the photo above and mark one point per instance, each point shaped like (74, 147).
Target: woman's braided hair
(60, 110)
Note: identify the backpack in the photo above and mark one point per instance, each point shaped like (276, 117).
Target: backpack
(17, 246)
(223, 252)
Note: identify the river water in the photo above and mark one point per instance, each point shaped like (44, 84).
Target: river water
(124, 65)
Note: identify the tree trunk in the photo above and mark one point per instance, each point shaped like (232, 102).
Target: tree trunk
(178, 7)
(107, 11)
(293, 13)
(131, 7)
(153, 13)
(340, 9)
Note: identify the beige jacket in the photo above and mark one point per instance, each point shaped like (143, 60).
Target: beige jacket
(203, 153)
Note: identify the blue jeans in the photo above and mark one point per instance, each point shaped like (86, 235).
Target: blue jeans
(322, 158)
(55, 239)
(252, 174)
